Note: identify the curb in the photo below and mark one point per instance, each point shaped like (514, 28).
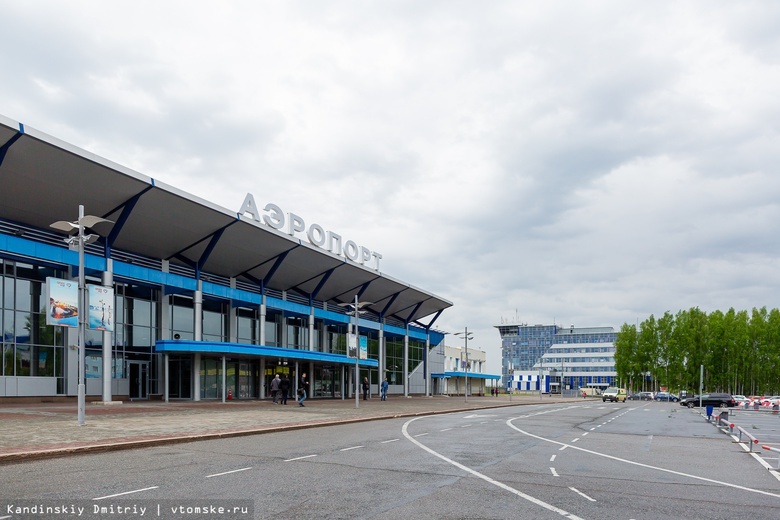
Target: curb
(24, 456)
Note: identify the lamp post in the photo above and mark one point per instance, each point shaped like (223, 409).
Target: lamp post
(356, 310)
(84, 221)
(466, 336)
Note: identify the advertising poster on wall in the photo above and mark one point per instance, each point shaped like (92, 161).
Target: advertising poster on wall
(63, 296)
(101, 308)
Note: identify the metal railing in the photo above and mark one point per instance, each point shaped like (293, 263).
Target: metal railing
(770, 448)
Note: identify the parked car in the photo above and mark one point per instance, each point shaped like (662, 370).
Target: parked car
(714, 399)
(666, 396)
(771, 400)
(640, 396)
(614, 394)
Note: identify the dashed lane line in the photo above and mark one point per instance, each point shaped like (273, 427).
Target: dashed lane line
(487, 479)
(648, 466)
(227, 472)
(126, 493)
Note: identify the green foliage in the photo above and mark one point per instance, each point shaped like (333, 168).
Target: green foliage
(740, 352)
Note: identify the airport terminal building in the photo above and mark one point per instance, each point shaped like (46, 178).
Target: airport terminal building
(183, 299)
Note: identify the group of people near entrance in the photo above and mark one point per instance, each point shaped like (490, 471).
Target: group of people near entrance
(280, 389)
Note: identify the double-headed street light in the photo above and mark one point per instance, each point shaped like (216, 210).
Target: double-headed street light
(356, 311)
(80, 239)
(466, 336)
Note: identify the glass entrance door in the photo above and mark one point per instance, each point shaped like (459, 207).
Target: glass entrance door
(139, 379)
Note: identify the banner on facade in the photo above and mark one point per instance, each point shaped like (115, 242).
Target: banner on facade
(354, 351)
(63, 297)
(101, 307)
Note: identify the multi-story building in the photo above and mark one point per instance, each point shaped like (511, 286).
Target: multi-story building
(522, 346)
(578, 358)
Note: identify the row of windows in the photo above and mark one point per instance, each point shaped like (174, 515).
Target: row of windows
(32, 348)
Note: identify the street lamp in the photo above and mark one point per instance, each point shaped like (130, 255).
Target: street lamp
(466, 336)
(84, 221)
(356, 312)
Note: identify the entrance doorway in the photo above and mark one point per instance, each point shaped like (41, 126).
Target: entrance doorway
(139, 379)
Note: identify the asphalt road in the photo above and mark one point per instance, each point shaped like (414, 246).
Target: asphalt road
(578, 460)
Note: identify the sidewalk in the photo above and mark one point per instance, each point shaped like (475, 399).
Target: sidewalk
(34, 431)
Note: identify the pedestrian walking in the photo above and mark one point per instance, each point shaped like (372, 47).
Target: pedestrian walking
(302, 384)
(365, 388)
(384, 390)
(275, 387)
(284, 388)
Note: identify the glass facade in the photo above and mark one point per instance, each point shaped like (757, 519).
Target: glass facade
(29, 347)
(522, 346)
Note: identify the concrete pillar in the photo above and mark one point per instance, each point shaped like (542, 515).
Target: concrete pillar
(405, 371)
(108, 281)
(261, 339)
(311, 329)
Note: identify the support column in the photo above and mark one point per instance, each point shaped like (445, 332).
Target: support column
(427, 364)
(198, 328)
(261, 339)
(343, 381)
(262, 378)
(405, 371)
(311, 329)
(196, 377)
(164, 328)
(224, 379)
(167, 375)
(108, 344)
(382, 356)
(197, 303)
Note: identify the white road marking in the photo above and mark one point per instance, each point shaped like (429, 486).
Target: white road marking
(563, 447)
(445, 430)
(584, 434)
(477, 474)
(582, 494)
(421, 434)
(126, 493)
(391, 440)
(227, 472)
(678, 473)
(575, 440)
(554, 473)
(552, 459)
(352, 448)
(299, 458)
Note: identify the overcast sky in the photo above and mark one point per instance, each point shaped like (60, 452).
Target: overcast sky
(570, 162)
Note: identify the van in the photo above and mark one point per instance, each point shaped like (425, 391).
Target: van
(614, 394)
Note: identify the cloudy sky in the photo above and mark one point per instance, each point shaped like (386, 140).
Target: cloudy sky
(570, 162)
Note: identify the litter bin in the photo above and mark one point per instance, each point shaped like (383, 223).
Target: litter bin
(709, 411)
